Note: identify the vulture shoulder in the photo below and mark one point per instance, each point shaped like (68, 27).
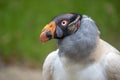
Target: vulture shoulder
(111, 62)
(112, 66)
(48, 66)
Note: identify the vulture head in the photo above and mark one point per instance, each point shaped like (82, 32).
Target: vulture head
(60, 27)
(76, 34)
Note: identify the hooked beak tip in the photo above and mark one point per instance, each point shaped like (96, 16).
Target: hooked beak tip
(43, 37)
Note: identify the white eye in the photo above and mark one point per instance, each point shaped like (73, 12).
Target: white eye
(64, 23)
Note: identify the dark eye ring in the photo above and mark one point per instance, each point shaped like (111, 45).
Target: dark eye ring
(64, 22)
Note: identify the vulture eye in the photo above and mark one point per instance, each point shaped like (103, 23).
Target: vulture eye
(64, 22)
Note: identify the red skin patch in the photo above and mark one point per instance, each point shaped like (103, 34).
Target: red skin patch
(78, 24)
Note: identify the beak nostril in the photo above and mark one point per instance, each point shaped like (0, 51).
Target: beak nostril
(51, 25)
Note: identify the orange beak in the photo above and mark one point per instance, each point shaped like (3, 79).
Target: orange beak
(48, 32)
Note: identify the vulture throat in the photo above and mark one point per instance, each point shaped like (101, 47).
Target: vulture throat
(76, 35)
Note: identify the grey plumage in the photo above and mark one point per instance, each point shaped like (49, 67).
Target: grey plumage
(82, 55)
(80, 44)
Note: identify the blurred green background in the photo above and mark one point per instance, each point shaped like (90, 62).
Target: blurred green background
(21, 22)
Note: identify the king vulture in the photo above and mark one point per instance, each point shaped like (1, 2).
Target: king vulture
(81, 53)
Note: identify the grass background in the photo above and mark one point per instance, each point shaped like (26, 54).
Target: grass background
(21, 22)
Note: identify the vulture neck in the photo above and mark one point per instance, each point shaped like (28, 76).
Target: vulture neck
(81, 44)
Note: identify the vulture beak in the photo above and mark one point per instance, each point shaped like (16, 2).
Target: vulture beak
(48, 32)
